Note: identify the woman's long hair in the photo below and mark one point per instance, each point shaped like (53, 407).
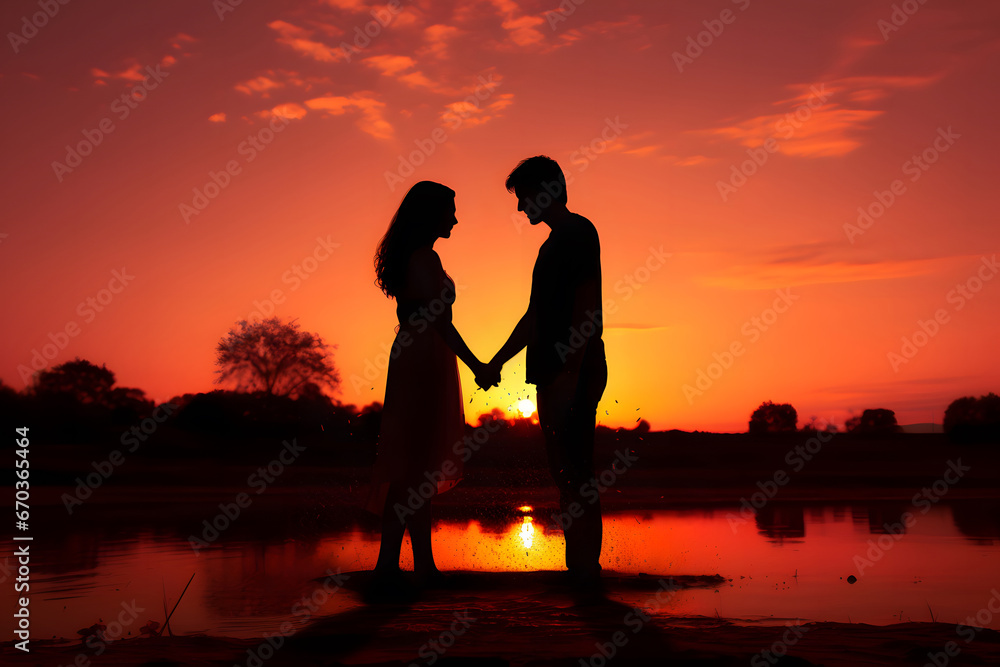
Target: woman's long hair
(408, 230)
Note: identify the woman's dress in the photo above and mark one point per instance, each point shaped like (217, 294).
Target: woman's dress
(423, 416)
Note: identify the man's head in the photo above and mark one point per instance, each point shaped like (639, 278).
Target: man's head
(538, 183)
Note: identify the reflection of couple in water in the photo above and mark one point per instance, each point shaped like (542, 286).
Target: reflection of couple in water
(423, 416)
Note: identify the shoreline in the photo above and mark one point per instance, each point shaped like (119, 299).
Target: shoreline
(534, 618)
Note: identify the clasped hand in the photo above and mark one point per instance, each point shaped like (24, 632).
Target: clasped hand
(488, 376)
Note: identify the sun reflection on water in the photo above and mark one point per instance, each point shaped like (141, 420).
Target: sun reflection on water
(527, 532)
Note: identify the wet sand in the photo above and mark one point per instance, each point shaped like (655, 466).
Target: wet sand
(537, 618)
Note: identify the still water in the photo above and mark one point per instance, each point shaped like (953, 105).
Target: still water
(788, 563)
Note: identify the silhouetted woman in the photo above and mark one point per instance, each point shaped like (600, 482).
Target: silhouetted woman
(423, 417)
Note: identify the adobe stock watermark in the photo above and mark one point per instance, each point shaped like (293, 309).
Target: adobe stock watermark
(88, 310)
(103, 470)
(784, 128)
(796, 458)
(923, 500)
(303, 610)
(432, 651)
(632, 282)
(30, 25)
(562, 13)
(259, 480)
(966, 631)
(901, 13)
(122, 107)
(927, 329)
(465, 449)
(101, 635)
(363, 35)
(752, 330)
(295, 276)
(635, 620)
(579, 160)
(592, 489)
(416, 324)
(456, 115)
(590, 151)
(773, 655)
(915, 167)
(629, 284)
(696, 44)
(218, 181)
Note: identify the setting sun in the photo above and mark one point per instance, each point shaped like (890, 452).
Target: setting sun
(527, 407)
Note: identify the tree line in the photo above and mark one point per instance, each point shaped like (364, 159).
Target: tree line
(279, 373)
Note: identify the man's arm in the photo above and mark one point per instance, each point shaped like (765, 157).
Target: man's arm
(583, 296)
(582, 257)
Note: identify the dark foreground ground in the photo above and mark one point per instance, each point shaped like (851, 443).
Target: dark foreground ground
(524, 618)
(536, 619)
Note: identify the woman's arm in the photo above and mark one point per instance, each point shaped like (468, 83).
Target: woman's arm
(425, 277)
(454, 340)
(520, 337)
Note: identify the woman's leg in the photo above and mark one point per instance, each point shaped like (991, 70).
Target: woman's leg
(392, 533)
(420, 538)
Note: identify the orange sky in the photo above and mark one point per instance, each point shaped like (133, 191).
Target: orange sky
(650, 137)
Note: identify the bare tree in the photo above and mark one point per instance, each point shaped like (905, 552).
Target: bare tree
(275, 357)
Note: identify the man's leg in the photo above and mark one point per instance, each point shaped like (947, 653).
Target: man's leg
(552, 417)
(568, 425)
(588, 530)
(582, 427)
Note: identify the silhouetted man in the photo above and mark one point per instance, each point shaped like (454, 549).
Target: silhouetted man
(562, 330)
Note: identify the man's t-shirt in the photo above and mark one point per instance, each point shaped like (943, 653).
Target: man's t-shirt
(566, 297)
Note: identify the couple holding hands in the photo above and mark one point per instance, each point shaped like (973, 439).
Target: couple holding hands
(423, 414)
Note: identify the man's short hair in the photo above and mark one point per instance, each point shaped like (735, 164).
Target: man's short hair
(539, 173)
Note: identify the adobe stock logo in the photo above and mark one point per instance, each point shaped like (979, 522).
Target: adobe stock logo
(38, 20)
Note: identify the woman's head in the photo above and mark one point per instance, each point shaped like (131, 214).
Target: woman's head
(426, 214)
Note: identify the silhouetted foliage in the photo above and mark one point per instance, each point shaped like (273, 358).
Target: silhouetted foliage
(76, 400)
(497, 416)
(275, 358)
(773, 418)
(366, 425)
(240, 419)
(877, 421)
(129, 405)
(11, 407)
(816, 425)
(970, 419)
(6, 393)
(79, 380)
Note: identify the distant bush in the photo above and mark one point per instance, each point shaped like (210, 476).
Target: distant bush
(78, 401)
(970, 419)
(816, 425)
(877, 421)
(773, 418)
